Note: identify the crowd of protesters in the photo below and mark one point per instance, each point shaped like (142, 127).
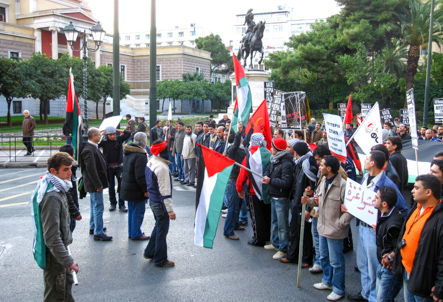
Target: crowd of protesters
(403, 250)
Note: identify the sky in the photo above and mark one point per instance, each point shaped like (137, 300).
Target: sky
(216, 16)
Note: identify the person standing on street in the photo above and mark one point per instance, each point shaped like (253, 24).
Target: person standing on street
(95, 179)
(55, 219)
(156, 132)
(188, 157)
(178, 149)
(159, 183)
(113, 151)
(28, 132)
(130, 127)
(134, 188)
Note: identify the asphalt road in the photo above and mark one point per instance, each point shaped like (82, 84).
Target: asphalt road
(117, 271)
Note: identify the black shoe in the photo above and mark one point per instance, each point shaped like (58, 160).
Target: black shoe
(91, 231)
(190, 185)
(174, 174)
(28, 154)
(243, 223)
(356, 297)
(177, 179)
(147, 257)
(123, 209)
(102, 237)
(183, 183)
(256, 243)
(112, 207)
(347, 250)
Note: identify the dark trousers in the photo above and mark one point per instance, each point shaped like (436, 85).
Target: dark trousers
(115, 173)
(58, 281)
(261, 219)
(294, 237)
(27, 141)
(157, 248)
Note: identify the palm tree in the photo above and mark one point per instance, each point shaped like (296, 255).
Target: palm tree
(394, 57)
(414, 21)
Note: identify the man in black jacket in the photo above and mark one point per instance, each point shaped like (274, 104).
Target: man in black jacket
(112, 147)
(134, 188)
(389, 224)
(141, 125)
(279, 176)
(95, 179)
(156, 132)
(420, 246)
(394, 144)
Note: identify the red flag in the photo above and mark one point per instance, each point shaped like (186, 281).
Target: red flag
(349, 116)
(260, 119)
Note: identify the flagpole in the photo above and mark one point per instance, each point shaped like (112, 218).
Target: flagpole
(227, 138)
(74, 274)
(247, 169)
(300, 244)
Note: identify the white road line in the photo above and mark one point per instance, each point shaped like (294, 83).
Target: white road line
(11, 173)
(38, 156)
(10, 188)
(14, 179)
(18, 195)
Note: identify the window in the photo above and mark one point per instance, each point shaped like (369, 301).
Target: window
(275, 28)
(181, 34)
(197, 69)
(159, 36)
(137, 45)
(127, 38)
(192, 33)
(243, 30)
(109, 64)
(169, 43)
(3, 14)
(192, 43)
(17, 106)
(148, 37)
(137, 37)
(169, 35)
(238, 30)
(14, 55)
(158, 72)
(147, 45)
(123, 71)
(280, 28)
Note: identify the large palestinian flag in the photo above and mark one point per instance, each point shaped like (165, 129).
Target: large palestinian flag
(73, 121)
(243, 102)
(217, 171)
(259, 160)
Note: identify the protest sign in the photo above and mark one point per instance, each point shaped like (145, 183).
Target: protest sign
(365, 108)
(336, 136)
(341, 109)
(112, 121)
(360, 202)
(269, 94)
(438, 111)
(404, 117)
(386, 116)
(275, 108)
(412, 121)
(295, 110)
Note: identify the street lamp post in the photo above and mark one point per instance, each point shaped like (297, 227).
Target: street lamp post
(98, 35)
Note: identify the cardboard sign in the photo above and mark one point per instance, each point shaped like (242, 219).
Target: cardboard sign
(438, 111)
(360, 202)
(386, 116)
(342, 109)
(269, 94)
(275, 108)
(110, 121)
(294, 110)
(365, 108)
(404, 116)
(412, 120)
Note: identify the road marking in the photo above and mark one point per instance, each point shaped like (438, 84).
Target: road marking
(18, 195)
(11, 173)
(13, 204)
(5, 181)
(29, 183)
(38, 156)
(16, 154)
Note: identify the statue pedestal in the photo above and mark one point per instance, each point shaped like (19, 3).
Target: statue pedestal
(256, 79)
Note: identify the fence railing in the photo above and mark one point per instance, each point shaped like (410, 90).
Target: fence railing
(12, 148)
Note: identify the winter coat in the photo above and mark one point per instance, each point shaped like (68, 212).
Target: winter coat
(281, 175)
(236, 153)
(188, 150)
(388, 231)
(113, 150)
(94, 168)
(178, 142)
(301, 181)
(133, 187)
(159, 182)
(29, 126)
(401, 166)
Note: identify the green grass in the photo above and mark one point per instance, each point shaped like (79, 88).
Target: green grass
(42, 127)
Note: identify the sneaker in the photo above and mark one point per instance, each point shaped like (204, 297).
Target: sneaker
(233, 237)
(322, 286)
(286, 260)
(224, 215)
(278, 255)
(316, 268)
(270, 247)
(225, 211)
(334, 297)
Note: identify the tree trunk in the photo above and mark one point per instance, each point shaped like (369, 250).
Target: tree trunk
(40, 110)
(96, 110)
(104, 107)
(45, 108)
(163, 105)
(411, 66)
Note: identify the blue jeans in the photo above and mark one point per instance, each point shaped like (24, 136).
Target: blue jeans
(157, 248)
(136, 213)
(316, 238)
(96, 220)
(280, 223)
(243, 217)
(332, 262)
(115, 173)
(181, 173)
(408, 296)
(388, 284)
(367, 262)
(172, 165)
(68, 140)
(234, 200)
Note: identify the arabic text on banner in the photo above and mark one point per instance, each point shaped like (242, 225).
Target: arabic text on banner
(360, 202)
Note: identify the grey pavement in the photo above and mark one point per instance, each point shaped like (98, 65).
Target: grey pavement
(117, 271)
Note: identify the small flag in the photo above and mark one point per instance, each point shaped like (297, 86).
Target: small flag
(217, 171)
(243, 102)
(349, 115)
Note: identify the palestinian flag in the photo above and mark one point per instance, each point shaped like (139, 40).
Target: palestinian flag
(73, 121)
(259, 159)
(260, 120)
(243, 102)
(217, 171)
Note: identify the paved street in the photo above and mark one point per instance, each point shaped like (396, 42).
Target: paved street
(117, 271)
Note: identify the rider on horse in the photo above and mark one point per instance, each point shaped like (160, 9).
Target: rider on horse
(249, 19)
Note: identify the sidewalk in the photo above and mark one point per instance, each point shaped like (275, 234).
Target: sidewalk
(16, 158)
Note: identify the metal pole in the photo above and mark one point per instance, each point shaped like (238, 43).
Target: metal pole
(85, 83)
(428, 68)
(116, 64)
(300, 244)
(153, 69)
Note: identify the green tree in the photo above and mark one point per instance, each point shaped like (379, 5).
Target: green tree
(219, 54)
(415, 24)
(106, 75)
(196, 76)
(13, 83)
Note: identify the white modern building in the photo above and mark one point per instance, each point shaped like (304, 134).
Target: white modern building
(165, 37)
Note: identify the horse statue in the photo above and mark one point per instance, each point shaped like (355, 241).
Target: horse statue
(252, 43)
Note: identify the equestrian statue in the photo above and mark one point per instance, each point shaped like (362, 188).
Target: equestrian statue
(252, 40)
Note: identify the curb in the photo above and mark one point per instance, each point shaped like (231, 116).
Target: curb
(22, 165)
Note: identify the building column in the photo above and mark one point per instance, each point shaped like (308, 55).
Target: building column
(97, 58)
(69, 49)
(54, 42)
(38, 40)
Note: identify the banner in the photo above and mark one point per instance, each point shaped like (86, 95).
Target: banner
(112, 121)
(386, 116)
(275, 108)
(360, 202)
(404, 117)
(341, 109)
(412, 121)
(438, 111)
(269, 94)
(336, 136)
(369, 133)
(365, 108)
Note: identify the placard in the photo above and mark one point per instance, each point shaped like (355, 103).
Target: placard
(412, 121)
(269, 94)
(112, 121)
(336, 136)
(342, 109)
(275, 108)
(404, 117)
(365, 108)
(386, 116)
(294, 110)
(360, 202)
(438, 111)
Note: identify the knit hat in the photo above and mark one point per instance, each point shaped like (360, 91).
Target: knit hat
(279, 144)
(301, 148)
(292, 142)
(110, 130)
(158, 148)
